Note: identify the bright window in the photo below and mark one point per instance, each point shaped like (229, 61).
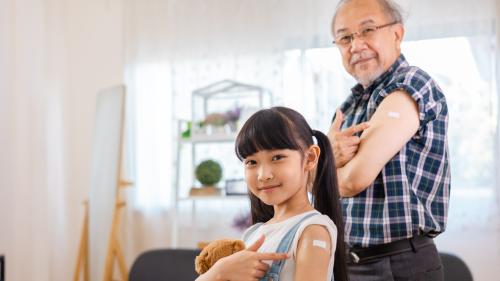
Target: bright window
(465, 75)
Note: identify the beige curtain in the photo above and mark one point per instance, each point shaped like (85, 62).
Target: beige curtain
(54, 57)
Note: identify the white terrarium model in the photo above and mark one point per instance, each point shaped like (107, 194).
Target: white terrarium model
(220, 109)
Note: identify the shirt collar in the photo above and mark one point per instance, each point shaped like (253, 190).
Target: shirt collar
(358, 89)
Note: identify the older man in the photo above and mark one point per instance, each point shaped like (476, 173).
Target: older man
(394, 176)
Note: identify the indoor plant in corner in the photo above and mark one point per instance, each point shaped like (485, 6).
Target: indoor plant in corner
(208, 173)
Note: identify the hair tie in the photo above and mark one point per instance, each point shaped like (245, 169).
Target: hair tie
(314, 133)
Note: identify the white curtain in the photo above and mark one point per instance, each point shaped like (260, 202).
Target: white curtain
(54, 58)
(497, 79)
(34, 231)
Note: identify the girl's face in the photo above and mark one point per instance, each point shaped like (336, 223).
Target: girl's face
(276, 176)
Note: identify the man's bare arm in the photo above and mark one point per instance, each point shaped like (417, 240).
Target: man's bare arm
(392, 125)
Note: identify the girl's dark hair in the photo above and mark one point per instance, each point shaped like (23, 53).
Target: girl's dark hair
(285, 128)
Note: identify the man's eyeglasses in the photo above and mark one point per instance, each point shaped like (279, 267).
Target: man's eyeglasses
(364, 33)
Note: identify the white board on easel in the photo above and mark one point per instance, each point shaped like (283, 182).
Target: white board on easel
(105, 178)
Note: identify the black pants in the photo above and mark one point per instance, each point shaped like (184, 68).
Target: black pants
(422, 265)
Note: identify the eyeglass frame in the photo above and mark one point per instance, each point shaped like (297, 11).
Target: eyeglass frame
(359, 33)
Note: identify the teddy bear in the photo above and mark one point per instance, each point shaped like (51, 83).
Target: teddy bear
(216, 250)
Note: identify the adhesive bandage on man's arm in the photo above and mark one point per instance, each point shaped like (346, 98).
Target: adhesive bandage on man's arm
(393, 114)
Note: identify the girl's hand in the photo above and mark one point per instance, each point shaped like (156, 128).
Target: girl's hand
(245, 265)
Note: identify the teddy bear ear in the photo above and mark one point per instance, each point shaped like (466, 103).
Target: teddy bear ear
(238, 245)
(200, 264)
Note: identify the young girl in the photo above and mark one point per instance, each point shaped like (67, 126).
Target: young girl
(294, 237)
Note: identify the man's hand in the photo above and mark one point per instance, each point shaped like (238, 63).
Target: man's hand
(344, 143)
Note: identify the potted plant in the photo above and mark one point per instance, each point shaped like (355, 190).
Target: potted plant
(232, 117)
(208, 173)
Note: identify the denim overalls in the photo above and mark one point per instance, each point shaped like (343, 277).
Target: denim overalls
(284, 246)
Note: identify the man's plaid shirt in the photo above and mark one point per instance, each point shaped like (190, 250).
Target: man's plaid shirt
(410, 195)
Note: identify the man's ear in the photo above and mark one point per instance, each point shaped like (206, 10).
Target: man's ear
(399, 32)
(312, 157)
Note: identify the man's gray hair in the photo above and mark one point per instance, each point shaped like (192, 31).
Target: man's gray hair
(389, 7)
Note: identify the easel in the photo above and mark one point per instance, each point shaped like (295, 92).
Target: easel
(82, 262)
(114, 250)
(105, 195)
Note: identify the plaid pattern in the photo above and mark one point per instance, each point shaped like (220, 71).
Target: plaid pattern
(410, 195)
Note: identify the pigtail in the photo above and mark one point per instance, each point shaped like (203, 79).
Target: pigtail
(326, 199)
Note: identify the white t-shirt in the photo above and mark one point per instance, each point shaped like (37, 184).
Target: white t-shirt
(276, 231)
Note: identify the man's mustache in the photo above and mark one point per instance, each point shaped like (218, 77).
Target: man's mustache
(357, 57)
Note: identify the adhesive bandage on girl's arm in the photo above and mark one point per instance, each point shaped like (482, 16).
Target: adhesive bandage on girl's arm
(319, 243)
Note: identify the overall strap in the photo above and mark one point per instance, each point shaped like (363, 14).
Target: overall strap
(251, 231)
(283, 247)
